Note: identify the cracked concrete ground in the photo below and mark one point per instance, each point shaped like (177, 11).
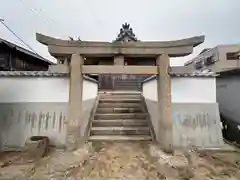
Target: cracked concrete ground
(125, 161)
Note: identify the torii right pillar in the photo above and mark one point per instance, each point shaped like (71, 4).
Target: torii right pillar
(165, 129)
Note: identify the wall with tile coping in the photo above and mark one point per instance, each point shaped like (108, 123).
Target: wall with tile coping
(38, 106)
(185, 89)
(195, 113)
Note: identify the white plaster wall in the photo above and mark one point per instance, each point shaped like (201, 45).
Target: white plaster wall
(185, 90)
(41, 89)
(150, 90)
(90, 90)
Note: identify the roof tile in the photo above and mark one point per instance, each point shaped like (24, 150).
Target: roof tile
(32, 73)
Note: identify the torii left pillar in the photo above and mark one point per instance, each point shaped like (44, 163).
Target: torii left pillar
(74, 138)
(164, 103)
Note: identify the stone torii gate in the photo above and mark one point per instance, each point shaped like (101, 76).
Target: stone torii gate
(82, 58)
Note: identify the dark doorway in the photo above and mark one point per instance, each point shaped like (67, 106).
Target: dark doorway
(105, 82)
(121, 82)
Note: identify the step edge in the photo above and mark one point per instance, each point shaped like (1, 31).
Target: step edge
(119, 128)
(108, 98)
(116, 120)
(120, 137)
(120, 120)
(121, 114)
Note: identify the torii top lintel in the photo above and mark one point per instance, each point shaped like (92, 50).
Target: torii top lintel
(125, 44)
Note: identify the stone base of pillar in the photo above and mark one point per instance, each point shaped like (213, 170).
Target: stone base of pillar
(166, 140)
(74, 139)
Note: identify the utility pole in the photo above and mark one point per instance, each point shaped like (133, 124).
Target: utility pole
(2, 21)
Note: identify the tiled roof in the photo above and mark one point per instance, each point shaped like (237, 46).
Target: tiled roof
(50, 74)
(182, 71)
(204, 50)
(195, 74)
(38, 74)
(32, 73)
(23, 50)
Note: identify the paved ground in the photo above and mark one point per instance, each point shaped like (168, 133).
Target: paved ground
(125, 161)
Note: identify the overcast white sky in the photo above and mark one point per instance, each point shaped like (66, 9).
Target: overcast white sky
(218, 20)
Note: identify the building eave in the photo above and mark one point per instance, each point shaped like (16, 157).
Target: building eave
(24, 51)
(229, 71)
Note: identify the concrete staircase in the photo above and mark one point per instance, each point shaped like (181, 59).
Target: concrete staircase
(120, 116)
(128, 84)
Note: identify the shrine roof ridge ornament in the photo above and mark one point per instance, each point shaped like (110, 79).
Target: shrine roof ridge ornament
(126, 31)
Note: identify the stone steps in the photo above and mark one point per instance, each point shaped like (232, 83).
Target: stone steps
(112, 100)
(127, 87)
(120, 115)
(120, 131)
(127, 84)
(119, 122)
(120, 138)
(120, 105)
(125, 92)
(104, 96)
(119, 110)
